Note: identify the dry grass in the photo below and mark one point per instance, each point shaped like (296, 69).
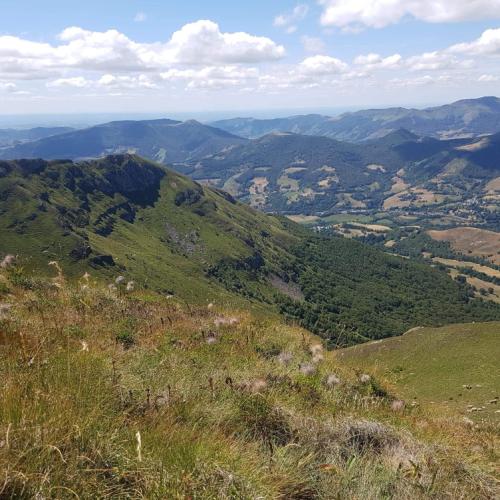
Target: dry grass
(109, 394)
(471, 240)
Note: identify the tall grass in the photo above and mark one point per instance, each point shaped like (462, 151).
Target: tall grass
(115, 393)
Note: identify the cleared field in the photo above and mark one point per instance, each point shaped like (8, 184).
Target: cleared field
(471, 240)
(454, 368)
(303, 219)
(472, 265)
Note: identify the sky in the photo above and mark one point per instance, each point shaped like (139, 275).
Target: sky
(228, 57)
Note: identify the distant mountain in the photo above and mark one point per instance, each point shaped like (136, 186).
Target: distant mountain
(10, 136)
(293, 173)
(125, 215)
(465, 118)
(160, 140)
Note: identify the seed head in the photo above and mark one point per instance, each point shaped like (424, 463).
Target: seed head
(8, 261)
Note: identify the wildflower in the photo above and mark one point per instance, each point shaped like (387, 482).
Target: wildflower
(56, 265)
(210, 306)
(285, 358)
(397, 405)
(332, 380)
(86, 276)
(364, 378)
(307, 369)
(119, 280)
(85, 346)
(112, 288)
(8, 261)
(130, 286)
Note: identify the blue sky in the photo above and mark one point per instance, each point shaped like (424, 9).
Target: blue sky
(171, 56)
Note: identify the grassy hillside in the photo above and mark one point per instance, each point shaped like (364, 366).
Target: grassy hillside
(454, 367)
(125, 215)
(113, 394)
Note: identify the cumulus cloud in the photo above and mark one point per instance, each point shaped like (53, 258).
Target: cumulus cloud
(381, 13)
(212, 77)
(201, 42)
(487, 44)
(322, 65)
(376, 61)
(75, 82)
(290, 19)
(312, 44)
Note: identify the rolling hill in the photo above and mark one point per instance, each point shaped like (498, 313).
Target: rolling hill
(165, 141)
(125, 215)
(465, 118)
(453, 368)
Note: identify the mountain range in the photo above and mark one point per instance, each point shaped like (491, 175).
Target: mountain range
(312, 172)
(293, 173)
(126, 215)
(164, 140)
(11, 136)
(465, 118)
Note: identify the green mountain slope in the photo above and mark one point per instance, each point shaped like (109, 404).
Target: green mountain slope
(123, 215)
(455, 367)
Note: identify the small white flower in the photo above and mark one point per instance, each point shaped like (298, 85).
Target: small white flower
(285, 358)
(130, 286)
(364, 378)
(112, 288)
(85, 346)
(210, 306)
(120, 280)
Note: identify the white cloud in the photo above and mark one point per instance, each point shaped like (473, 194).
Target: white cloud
(8, 87)
(76, 82)
(312, 44)
(487, 44)
(140, 17)
(322, 65)
(376, 61)
(290, 19)
(421, 81)
(381, 13)
(200, 42)
(488, 78)
(212, 77)
(437, 60)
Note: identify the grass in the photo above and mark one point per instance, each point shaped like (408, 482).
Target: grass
(109, 394)
(454, 367)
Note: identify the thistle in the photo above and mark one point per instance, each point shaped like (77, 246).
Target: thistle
(307, 369)
(119, 280)
(8, 261)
